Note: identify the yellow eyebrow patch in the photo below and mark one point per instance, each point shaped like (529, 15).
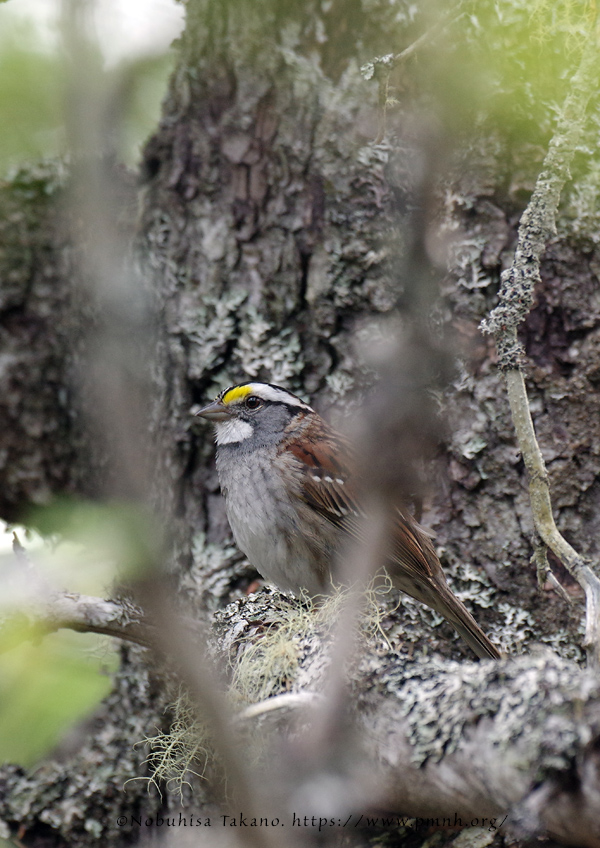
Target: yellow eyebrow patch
(236, 393)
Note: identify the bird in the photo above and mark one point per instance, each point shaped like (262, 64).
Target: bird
(292, 503)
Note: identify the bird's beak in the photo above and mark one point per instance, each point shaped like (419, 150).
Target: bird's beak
(215, 411)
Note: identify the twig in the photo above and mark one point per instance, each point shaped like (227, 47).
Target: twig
(328, 731)
(382, 66)
(385, 64)
(543, 570)
(83, 613)
(187, 652)
(285, 701)
(516, 297)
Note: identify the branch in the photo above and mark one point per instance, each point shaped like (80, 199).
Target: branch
(45, 610)
(516, 297)
(454, 744)
(476, 741)
(124, 358)
(84, 613)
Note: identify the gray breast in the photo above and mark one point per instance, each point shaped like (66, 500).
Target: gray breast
(270, 522)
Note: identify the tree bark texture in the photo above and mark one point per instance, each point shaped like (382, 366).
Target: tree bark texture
(269, 229)
(514, 741)
(38, 444)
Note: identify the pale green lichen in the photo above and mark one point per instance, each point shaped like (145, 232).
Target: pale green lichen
(259, 351)
(465, 256)
(184, 752)
(213, 569)
(209, 327)
(535, 699)
(340, 383)
(581, 215)
(377, 65)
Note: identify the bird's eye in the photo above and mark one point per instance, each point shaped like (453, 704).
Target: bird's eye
(253, 402)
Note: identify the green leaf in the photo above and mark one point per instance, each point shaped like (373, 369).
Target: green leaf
(45, 688)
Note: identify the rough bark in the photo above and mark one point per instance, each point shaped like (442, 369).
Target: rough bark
(513, 741)
(38, 444)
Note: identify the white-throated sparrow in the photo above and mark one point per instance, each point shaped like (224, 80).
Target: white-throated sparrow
(290, 502)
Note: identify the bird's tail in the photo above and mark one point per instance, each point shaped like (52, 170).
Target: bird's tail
(436, 593)
(416, 569)
(465, 625)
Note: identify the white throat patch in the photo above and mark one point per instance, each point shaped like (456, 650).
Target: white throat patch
(233, 430)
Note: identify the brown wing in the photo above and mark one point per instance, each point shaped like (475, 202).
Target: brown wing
(325, 477)
(414, 551)
(325, 466)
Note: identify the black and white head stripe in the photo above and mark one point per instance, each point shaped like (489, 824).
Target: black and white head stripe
(264, 391)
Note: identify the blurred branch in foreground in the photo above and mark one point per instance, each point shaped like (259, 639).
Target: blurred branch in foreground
(396, 432)
(118, 390)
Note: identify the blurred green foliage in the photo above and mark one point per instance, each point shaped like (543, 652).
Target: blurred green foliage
(149, 78)
(112, 540)
(49, 682)
(33, 101)
(45, 687)
(524, 55)
(31, 83)
(498, 65)
(505, 62)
